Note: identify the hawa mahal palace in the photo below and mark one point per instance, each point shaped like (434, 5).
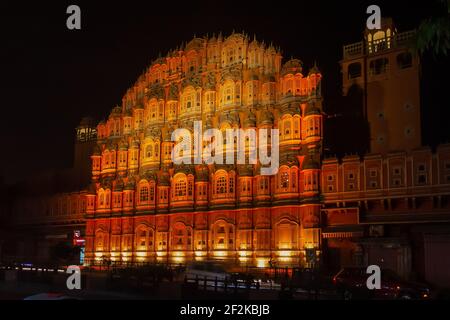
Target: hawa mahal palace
(389, 206)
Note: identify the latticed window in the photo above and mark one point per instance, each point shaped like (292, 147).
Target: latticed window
(180, 188)
(221, 185)
(231, 184)
(152, 193)
(142, 238)
(190, 188)
(284, 181)
(143, 194)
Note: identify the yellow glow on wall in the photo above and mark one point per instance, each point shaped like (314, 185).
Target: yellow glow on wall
(244, 253)
(141, 254)
(200, 253)
(285, 253)
(244, 259)
(285, 259)
(220, 254)
(178, 259)
(309, 245)
(178, 253)
(261, 263)
(161, 253)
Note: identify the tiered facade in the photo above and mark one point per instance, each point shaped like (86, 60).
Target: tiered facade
(390, 207)
(143, 208)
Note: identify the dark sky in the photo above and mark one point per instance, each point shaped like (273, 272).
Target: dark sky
(51, 76)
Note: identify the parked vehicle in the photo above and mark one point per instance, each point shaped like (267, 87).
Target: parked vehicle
(351, 283)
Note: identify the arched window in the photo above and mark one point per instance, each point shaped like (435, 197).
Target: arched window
(221, 185)
(227, 97)
(188, 100)
(284, 180)
(143, 194)
(180, 186)
(99, 241)
(152, 191)
(144, 238)
(148, 151)
(287, 128)
(289, 85)
(222, 235)
(181, 236)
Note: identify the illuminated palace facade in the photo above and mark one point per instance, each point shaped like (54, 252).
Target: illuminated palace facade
(389, 206)
(143, 208)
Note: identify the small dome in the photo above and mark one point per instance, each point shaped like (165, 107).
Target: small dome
(135, 144)
(245, 170)
(311, 110)
(116, 112)
(128, 113)
(310, 164)
(314, 70)
(119, 185)
(149, 175)
(164, 179)
(195, 44)
(111, 146)
(292, 66)
(266, 117)
(202, 173)
(123, 145)
(130, 185)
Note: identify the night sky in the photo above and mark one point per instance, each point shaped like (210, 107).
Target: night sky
(51, 76)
